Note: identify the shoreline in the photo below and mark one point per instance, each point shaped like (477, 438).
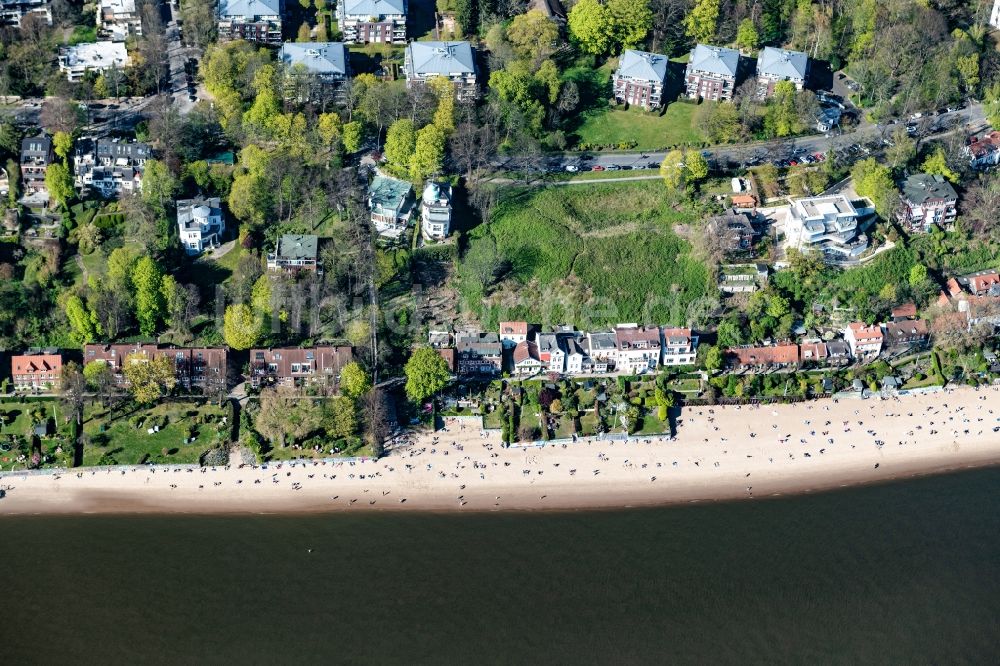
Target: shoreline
(721, 454)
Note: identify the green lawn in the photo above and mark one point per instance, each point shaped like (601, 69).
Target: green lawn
(127, 441)
(591, 255)
(649, 130)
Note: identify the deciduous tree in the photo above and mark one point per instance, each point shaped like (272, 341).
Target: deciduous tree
(149, 379)
(354, 381)
(241, 328)
(426, 374)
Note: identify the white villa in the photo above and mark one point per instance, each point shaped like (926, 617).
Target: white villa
(201, 223)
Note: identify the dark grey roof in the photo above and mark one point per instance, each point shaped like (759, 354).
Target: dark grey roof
(297, 246)
(36, 145)
(443, 58)
(318, 57)
(920, 188)
(642, 65)
(715, 60)
(115, 149)
(186, 208)
(782, 64)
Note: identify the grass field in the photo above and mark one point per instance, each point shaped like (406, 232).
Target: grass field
(129, 442)
(650, 130)
(589, 256)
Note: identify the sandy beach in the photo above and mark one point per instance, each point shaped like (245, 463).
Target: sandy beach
(720, 453)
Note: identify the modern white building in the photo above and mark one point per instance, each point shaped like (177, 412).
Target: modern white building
(117, 19)
(12, 11)
(828, 224)
(865, 341)
(435, 211)
(679, 346)
(995, 14)
(77, 60)
(201, 223)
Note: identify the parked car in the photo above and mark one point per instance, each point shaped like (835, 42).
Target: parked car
(572, 168)
(597, 167)
(613, 167)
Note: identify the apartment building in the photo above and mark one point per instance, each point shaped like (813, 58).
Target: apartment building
(639, 79)
(711, 73)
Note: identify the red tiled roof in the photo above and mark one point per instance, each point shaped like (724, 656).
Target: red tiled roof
(513, 328)
(943, 299)
(32, 364)
(985, 145)
(812, 351)
(954, 289)
(786, 354)
(448, 354)
(981, 283)
(525, 351)
(744, 200)
(629, 336)
(905, 310)
(863, 332)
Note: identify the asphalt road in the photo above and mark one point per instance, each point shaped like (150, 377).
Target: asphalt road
(970, 119)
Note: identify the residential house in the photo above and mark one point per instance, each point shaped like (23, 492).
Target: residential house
(639, 79)
(602, 348)
(295, 252)
(639, 348)
(904, 311)
(4, 182)
(478, 353)
(838, 352)
(378, 21)
(36, 156)
(742, 278)
(201, 223)
(865, 341)
(37, 371)
(251, 20)
(439, 339)
(679, 346)
(735, 231)
(927, 201)
(111, 167)
(905, 335)
(828, 224)
(435, 211)
(711, 73)
(315, 71)
(984, 151)
(551, 352)
(203, 368)
(979, 284)
(762, 358)
(812, 351)
(776, 65)
(513, 333)
(448, 354)
(117, 20)
(390, 204)
(577, 358)
(525, 360)
(75, 61)
(299, 367)
(827, 118)
(12, 11)
(456, 61)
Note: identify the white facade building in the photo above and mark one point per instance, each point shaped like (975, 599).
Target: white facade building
(828, 224)
(435, 211)
(995, 14)
(75, 61)
(679, 346)
(201, 223)
(117, 19)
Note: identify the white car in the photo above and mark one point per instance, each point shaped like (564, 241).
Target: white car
(572, 168)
